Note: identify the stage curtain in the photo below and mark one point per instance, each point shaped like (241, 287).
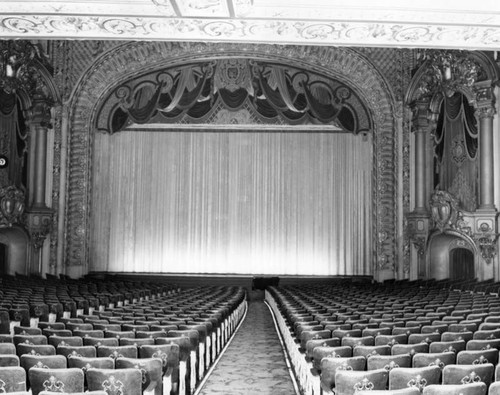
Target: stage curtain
(234, 202)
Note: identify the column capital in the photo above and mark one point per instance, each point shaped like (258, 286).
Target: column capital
(485, 99)
(40, 112)
(423, 119)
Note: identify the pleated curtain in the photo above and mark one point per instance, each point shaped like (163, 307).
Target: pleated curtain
(232, 202)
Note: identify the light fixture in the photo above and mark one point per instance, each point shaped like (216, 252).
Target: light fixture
(449, 70)
(15, 57)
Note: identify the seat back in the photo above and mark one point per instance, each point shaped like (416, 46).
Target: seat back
(494, 388)
(440, 359)
(333, 352)
(456, 389)
(74, 393)
(7, 349)
(56, 380)
(411, 349)
(330, 366)
(129, 351)
(85, 363)
(388, 362)
(122, 381)
(465, 374)
(475, 357)
(29, 361)
(440, 346)
(349, 382)
(9, 360)
(42, 349)
(369, 351)
(313, 343)
(76, 351)
(74, 341)
(414, 377)
(168, 354)
(12, 378)
(354, 341)
(151, 369)
(403, 391)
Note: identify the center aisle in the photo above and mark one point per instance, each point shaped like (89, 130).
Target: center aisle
(254, 362)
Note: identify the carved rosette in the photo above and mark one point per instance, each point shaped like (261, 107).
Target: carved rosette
(128, 60)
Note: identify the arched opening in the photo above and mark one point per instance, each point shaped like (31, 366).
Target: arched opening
(461, 264)
(451, 256)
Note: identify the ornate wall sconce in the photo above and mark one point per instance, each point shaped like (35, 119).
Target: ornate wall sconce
(448, 70)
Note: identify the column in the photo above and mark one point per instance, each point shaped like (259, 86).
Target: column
(421, 128)
(485, 112)
(38, 215)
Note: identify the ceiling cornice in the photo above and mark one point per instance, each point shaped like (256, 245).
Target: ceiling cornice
(383, 23)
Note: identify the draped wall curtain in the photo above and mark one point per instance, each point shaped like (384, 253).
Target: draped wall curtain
(232, 202)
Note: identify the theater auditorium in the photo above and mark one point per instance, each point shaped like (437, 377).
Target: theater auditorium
(248, 197)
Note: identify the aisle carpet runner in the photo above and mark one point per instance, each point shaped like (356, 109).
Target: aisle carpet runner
(254, 362)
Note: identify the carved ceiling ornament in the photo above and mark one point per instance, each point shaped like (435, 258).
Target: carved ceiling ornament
(130, 60)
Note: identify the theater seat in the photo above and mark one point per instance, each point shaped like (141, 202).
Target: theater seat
(349, 382)
(404, 391)
(440, 359)
(9, 360)
(12, 379)
(414, 377)
(122, 381)
(465, 374)
(56, 380)
(474, 357)
(388, 362)
(151, 369)
(73, 393)
(456, 389)
(330, 366)
(494, 388)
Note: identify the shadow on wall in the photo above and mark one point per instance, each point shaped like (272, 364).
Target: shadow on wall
(14, 252)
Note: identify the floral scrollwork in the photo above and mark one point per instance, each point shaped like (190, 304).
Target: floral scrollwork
(53, 385)
(113, 386)
(473, 377)
(364, 384)
(418, 382)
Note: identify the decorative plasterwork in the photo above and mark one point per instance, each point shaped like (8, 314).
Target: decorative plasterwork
(137, 58)
(354, 23)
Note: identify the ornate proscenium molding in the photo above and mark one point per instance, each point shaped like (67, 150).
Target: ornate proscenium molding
(11, 206)
(450, 71)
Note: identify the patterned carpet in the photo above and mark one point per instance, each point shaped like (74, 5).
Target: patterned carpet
(254, 362)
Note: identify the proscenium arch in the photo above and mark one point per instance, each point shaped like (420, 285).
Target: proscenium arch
(131, 60)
